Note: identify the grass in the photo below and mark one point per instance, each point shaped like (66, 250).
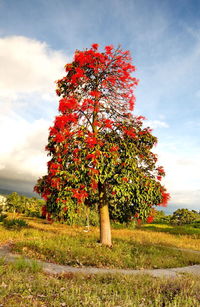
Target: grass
(24, 288)
(138, 248)
(177, 230)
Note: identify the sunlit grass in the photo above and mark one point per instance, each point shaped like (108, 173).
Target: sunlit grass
(137, 248)
(25, 288)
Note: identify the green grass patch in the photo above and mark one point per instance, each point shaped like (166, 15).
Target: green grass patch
(27, 265)
(85, 251)
(177, 230)
(17, 288)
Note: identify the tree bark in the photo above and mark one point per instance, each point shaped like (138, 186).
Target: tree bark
(105, 229)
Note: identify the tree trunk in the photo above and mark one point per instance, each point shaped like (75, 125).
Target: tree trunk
(105, 230)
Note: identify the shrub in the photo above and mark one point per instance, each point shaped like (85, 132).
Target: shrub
(14, 223)
(2, 217)
(182, 217)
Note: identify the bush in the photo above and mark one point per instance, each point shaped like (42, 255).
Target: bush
(14, 223)
(22, 204)
(183, 217)
(2, 217)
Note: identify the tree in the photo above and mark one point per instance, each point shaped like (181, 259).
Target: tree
(100, 153)
(183, 216)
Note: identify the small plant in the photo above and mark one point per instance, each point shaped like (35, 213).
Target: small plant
(14, 223)
(2, 217)
(22, 264)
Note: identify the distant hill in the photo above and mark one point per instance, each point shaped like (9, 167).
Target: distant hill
(28, 194)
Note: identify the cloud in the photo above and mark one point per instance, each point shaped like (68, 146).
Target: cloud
(156, 124)
(22, 155)
(28, 69)
(181, 163)
(27, 65)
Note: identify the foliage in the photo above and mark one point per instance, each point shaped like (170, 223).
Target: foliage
(100, 153)
(2, 217)
(14, 223)
(22, 204)
(183, 216)
(160, 217)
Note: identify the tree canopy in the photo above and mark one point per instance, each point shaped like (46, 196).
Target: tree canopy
(100, 153)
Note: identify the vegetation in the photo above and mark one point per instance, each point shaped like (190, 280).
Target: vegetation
(14, 223)
(184, 216)
(25, 286)
(22, 204)
(137, 248)
(100, 153)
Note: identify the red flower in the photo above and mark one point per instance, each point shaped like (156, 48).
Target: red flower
(125, 179)
(94, 184)
(130, 132)
(90, 156)
(79, 194)
(108, 49)
(67, 104)
(91, 141)
(95, 94)
(59, 138)
(95, 46)
(165, 199)
(131, 103)
(114, 148)
(160, 170)
(150, 219)
(108, 123)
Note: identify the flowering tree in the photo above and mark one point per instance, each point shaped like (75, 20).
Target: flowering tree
(100, 153)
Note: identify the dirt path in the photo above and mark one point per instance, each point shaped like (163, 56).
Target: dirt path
(52, 268)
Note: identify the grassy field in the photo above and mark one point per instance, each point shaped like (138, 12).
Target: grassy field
(137, 248)
(25, 285)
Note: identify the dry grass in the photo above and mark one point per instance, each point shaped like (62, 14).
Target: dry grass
(159, 238)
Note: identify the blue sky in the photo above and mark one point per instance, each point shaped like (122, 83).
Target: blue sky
(38, 37)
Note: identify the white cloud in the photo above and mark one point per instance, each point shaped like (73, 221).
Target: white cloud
(27, 65)
(22, 154)
(181, 164)
(156, 124)
(28, 69)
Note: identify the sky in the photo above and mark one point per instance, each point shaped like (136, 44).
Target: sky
(37, 38)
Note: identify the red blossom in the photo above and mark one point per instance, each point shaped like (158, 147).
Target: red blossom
(165, 199)
(130, 132)
(91, 156)
(109, 49)
(94, 184)
(91, 141)
(95, 94)
(150, 219)
(95, 46)
(79, 194)
(114, 148)
(67, 104)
